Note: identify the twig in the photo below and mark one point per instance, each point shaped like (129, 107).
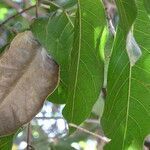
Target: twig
(49, 118)
(12, 4)
(36, 9)
(47, 2)
(19, 13)
(95, 121)
(29, 136)
(17, 7)
(103, 138)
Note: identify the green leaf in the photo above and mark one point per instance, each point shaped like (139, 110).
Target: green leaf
(6, 142)
(56, 35)
(86, 69)
(66, 4)
(147, 5)
(127, 110)
(53, 6)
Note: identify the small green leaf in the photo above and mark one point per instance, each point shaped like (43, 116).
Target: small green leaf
(86, 69)
(56, 35)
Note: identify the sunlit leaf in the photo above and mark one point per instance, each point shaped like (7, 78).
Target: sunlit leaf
(86, 69)
(3, 12)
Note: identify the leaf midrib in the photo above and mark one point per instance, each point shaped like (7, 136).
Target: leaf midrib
(128, 105)
(78, 62)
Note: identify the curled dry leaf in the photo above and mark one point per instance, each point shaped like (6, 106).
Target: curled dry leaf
(27, 76)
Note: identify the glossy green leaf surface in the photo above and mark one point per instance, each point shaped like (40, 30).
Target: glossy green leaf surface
(56, 35)
(86, 69)
(127, 110)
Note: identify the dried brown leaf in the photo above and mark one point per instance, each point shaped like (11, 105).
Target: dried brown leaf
(27, 76)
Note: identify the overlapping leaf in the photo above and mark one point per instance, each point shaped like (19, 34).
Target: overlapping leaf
(27, 76)
(56, 35)
(127, 112)
(86, 69)
(5, 142)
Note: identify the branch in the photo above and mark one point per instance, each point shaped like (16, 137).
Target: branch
(49, 118)
(36, 9)
(103, 138)
(18, 8)
(95, 121)
(29, 136)
(19, 13)
(12, 4)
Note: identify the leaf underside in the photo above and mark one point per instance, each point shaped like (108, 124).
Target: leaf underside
(27, 76)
